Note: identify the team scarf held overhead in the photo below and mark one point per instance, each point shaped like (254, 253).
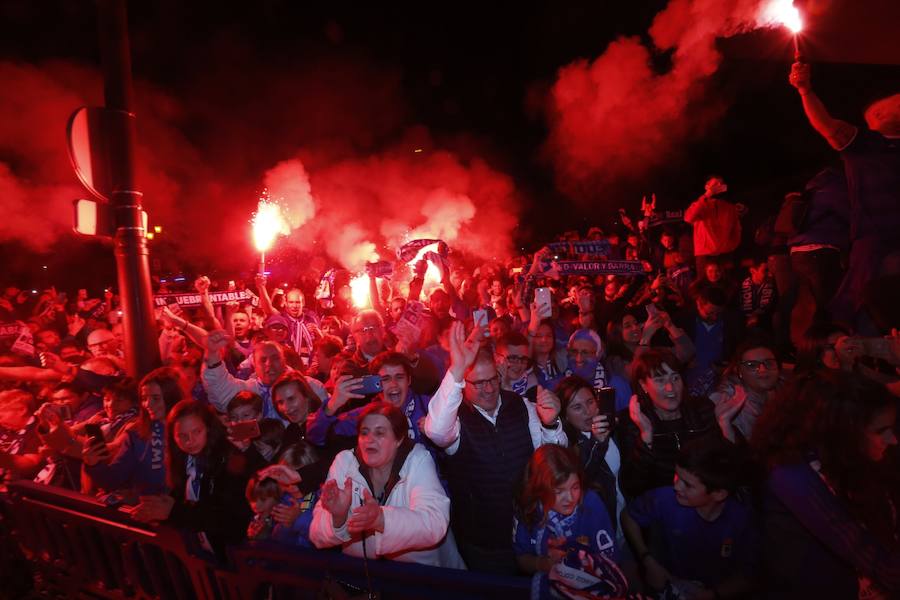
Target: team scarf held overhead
(410, 250)
(192, 300)
(590, 247)
(563, 268)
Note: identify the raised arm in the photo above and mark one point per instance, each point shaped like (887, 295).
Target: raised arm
(442, 422)
(265, 302)
(415, 286)
(836, 132)
(202, 287)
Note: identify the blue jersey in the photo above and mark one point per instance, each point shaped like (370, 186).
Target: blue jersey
(697, 549)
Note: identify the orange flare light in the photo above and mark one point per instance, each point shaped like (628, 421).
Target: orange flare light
(268, 224)
(359, 291)
(785, 13)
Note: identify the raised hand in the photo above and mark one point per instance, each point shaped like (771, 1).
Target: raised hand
(261, 281)
(216, 341)
(336, 500)
(640, 419)
(202, 284)
(463, 350)
(344, 388)
(728, 408)
(548, 406)
(801, 77)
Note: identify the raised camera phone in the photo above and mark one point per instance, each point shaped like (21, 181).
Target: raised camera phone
(542, 298)
(371, 384)
(606, 403)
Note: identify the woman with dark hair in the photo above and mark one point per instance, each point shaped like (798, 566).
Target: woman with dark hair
(295, 401)
(206, 487)
(752, 378)
(135, 461)
(588, 433)
(662, 418)
(831, 498)
(383, 499)
(549, 362)
(634, 333)
(557, 521)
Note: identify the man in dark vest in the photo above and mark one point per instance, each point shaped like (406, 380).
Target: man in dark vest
(488, 436)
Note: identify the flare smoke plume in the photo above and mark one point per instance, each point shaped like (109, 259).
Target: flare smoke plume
(331, 142)
(616, 118)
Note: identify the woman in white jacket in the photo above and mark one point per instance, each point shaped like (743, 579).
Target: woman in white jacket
(390, 503)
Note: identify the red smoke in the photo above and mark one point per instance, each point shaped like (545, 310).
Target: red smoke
(367, 206)
(615, 118)
(328, 137)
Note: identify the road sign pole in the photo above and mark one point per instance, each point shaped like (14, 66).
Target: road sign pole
(141, 340)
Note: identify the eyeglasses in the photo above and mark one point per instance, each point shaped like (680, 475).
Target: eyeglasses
(481, 383)
(587, 353)
(770, 364)
(366, 329)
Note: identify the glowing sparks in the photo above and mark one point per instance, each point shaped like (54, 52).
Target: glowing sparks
(785, 13)
(268, 223)
(359, 291)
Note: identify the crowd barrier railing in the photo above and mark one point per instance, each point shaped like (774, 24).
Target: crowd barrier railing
(80, 547)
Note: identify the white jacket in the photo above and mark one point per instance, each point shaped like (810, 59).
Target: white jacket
(416, 515)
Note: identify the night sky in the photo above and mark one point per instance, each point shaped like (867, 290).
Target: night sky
(245, 85)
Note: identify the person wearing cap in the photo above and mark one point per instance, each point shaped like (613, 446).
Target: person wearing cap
(277, 328)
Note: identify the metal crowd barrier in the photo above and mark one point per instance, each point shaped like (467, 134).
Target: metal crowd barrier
(78, 547)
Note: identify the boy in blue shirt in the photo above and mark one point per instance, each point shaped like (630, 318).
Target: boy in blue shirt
(708, 540)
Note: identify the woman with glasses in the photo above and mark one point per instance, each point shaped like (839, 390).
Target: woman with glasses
(662, 418)
(752, 378)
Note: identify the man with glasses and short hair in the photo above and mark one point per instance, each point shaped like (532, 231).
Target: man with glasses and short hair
(488, 435)
(511, 355)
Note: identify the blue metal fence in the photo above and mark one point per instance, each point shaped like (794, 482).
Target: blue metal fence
(79, 547)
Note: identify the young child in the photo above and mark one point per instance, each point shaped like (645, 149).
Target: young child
(709, 541)
(563, 534)
(298, 496)
(247, 406)
(263, 494)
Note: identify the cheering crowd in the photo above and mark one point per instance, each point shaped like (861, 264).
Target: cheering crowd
(654, 405)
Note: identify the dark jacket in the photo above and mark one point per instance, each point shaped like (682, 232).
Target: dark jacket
(646, 468)
(222, 512)
(597, 474)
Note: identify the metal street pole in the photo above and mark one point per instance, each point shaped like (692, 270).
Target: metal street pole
(132, 266)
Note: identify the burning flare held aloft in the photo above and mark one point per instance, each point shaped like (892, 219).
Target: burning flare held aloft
(268, 223)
